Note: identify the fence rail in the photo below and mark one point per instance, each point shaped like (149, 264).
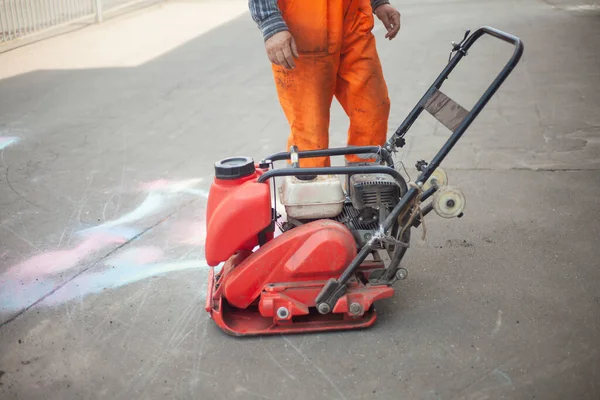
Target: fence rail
(20, 18)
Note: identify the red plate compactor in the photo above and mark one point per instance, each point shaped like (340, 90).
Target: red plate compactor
(338, 248)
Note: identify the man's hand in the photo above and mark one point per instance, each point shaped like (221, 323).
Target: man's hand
(281, 49)
(390, 18)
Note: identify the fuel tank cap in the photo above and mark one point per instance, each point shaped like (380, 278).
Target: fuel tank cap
(234, 168)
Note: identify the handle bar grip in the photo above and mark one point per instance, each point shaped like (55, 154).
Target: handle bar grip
(497, 34)
(506, 37)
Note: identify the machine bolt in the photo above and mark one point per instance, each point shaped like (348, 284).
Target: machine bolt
(283, 313)
(450, 203)
(420, 165)
(323, 308)
(355, 308)
(401, 274)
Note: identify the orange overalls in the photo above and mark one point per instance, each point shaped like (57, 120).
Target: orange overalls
(337, 57)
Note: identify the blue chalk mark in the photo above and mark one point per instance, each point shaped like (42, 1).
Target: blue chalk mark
(119, 276)
(120, 231)
(7, 141)
(503, 375)
(151, 204)
(16, 295)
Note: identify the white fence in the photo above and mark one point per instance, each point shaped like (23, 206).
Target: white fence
(19, 18)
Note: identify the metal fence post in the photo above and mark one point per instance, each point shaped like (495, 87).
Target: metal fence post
(20, 18)
(98, 11)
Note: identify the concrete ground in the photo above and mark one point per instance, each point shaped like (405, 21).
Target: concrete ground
(108, 136)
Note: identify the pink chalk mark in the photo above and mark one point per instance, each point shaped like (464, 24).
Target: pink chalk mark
(196, 234)
(167, 185)
(154, 185)
(55, 262)
(188, 233)
(137, 256)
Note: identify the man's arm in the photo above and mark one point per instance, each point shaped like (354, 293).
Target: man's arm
(377, 3)
(279, 43)
(388, 15)
(268, 17)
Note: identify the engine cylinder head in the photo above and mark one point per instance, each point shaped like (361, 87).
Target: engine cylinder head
(373, 190)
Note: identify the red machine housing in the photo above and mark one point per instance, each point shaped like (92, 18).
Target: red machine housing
(272, 289)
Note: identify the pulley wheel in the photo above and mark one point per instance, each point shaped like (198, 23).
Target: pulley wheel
(439, 175)
(448, 202)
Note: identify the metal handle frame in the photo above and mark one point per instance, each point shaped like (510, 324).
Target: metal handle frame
(339, 151)
(374, 169)
(334, 289)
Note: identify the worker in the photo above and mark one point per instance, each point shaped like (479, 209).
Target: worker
(325, 48)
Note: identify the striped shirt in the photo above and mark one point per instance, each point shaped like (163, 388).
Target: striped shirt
(267, 16)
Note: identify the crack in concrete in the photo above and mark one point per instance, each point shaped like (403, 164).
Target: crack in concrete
(95, 263)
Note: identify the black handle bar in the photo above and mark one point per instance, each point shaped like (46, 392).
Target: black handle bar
(461, 51)
(507, 37)
(334, 152)
(371, 169)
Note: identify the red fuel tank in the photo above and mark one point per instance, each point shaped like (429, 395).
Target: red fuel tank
(238, 209)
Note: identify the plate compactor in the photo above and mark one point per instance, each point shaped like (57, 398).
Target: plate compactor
(345, 231)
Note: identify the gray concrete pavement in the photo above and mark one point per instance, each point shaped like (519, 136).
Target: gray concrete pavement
(101, 223)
